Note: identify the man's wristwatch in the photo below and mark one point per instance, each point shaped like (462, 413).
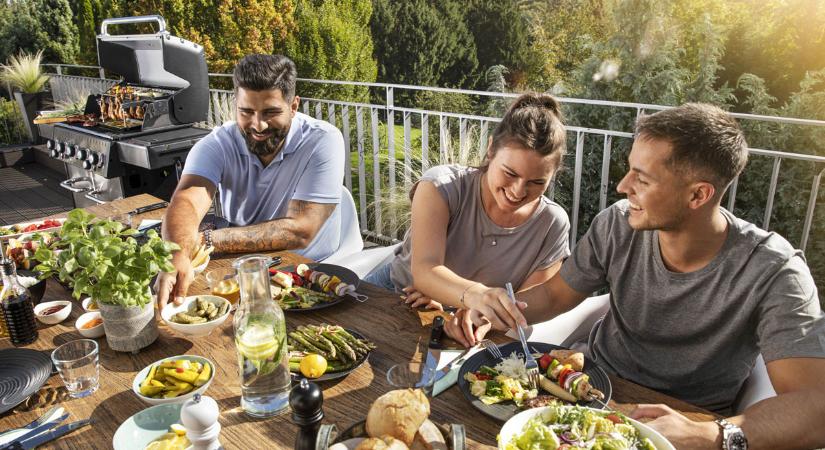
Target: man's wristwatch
(207, 238)
(733, 438)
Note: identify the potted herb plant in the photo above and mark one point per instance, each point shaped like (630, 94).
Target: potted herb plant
(28, 82)
(103, 259)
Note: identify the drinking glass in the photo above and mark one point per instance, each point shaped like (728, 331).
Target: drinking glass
(412, 375)
(77, 363)
(224, 283)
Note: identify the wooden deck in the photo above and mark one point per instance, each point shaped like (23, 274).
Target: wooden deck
(30, 191)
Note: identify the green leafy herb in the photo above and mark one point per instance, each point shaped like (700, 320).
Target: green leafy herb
(102, 259)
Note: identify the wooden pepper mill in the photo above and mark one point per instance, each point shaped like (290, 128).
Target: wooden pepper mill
(306, 400)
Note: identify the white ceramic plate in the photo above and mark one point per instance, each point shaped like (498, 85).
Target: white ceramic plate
(146, 426)
(514, 426)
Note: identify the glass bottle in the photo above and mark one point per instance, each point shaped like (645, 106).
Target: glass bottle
(17, 306)
(260, 340)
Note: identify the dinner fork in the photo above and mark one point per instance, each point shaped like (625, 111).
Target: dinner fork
(530, 363)
(491, 347)
(50, 415)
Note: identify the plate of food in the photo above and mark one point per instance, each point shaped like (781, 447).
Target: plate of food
(499, 388)
(19, 229)
(309, 287)
(326, 352)
(578, 427)
(153, 428)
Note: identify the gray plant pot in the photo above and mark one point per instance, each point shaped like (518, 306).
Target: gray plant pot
(129, 329)
(29, 105)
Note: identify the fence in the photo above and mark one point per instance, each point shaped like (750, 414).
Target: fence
(376, 166)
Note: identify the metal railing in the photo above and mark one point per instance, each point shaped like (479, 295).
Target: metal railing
(375, 142)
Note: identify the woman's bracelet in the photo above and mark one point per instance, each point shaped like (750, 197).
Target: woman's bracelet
(461, 300)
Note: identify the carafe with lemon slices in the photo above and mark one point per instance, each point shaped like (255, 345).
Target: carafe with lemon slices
(260, 339)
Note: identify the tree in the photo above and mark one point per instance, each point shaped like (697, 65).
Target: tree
(423, 42)
(30, 26)
(332, 41)
(502, 38)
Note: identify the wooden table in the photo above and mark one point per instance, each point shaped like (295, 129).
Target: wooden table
(399, 333)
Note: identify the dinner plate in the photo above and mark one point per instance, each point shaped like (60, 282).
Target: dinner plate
(335, 375)
(22, 373)
(346, 275)
(144, 427)
(505, 410)
(515, 426)
(6, 237)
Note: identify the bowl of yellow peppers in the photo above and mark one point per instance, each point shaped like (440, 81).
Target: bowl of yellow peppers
(174, 379)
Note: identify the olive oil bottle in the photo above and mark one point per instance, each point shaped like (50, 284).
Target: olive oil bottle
(17, 306)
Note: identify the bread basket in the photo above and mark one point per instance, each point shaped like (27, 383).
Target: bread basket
(454, 435)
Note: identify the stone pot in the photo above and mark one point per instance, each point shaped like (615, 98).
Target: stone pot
(129, 329)
(29, 105)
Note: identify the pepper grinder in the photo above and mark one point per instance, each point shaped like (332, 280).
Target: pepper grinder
(199, 416)
(306, 400)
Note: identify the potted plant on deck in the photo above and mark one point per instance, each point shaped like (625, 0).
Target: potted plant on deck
(24, 76)
(103, 259)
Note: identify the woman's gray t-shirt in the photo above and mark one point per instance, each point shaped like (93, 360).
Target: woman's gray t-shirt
(478, 249)
(695, 335)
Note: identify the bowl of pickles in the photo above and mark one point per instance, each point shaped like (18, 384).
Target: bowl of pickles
(197, 316)
(174, 379)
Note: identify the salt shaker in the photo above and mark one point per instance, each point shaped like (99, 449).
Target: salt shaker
(306, 401)
(199, 415)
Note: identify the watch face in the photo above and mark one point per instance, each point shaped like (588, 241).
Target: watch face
(737, 441)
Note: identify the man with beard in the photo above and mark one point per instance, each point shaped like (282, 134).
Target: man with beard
(696, 294)
(278, 173)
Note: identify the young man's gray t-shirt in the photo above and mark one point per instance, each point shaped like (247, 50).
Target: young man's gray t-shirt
(695, 335)
(478, 249)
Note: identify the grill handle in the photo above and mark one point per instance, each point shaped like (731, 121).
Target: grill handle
(136, 19)
(69, 184)
(93, 196)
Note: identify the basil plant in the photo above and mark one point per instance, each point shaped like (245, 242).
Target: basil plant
(102, 259)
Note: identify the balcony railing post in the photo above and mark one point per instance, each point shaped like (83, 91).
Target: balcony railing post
(59, 69)
(102, 73)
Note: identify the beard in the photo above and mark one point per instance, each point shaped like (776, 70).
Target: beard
(268, 147)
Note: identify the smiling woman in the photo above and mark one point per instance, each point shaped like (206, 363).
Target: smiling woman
(469, 222)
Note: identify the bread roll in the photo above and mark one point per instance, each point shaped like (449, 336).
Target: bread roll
(398, 414)
(383, 443)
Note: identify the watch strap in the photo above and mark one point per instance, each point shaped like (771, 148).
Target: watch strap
(728, 429)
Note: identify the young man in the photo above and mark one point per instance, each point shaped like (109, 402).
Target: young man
(278, 172)
(696, 294)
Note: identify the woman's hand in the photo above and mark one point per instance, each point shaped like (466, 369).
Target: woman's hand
(496, 306)
(467, 326)
(416, 298)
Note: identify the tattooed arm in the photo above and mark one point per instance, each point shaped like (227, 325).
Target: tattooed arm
(302, 222)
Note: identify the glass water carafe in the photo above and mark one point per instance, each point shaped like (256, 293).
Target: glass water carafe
(260, 339)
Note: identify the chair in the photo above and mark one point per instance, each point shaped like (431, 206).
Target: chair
(573, 327)
(350, 240)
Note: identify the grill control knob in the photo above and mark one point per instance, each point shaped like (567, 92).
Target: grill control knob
(93, 159)
(81, 154)
(87, 165)
(71, 150)
(53, 153)
(50, 144)
(61, 148)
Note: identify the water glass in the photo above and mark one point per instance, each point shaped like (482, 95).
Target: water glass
(223, 282)
(412, 375)
(78, 365)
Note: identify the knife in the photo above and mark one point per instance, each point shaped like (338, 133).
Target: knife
(433, 353)
(42, 438)
(36, 430)
(147, 208)
(448, 375)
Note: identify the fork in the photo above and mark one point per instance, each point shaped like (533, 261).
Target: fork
(50, 415)
(491, 347)
(530, 363)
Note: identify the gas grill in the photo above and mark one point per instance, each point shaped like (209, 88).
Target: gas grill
(137, 133)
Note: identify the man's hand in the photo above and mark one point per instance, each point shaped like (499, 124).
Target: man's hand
(467, 327)
(496, 306)
(175, 285)
(682, 432)
(416, 298)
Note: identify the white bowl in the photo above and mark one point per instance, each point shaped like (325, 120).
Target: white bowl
(160, 401)
(57, 317)
(514, 426)
(91, 333)
(195, 329)
(201, 267)
(86, 302)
